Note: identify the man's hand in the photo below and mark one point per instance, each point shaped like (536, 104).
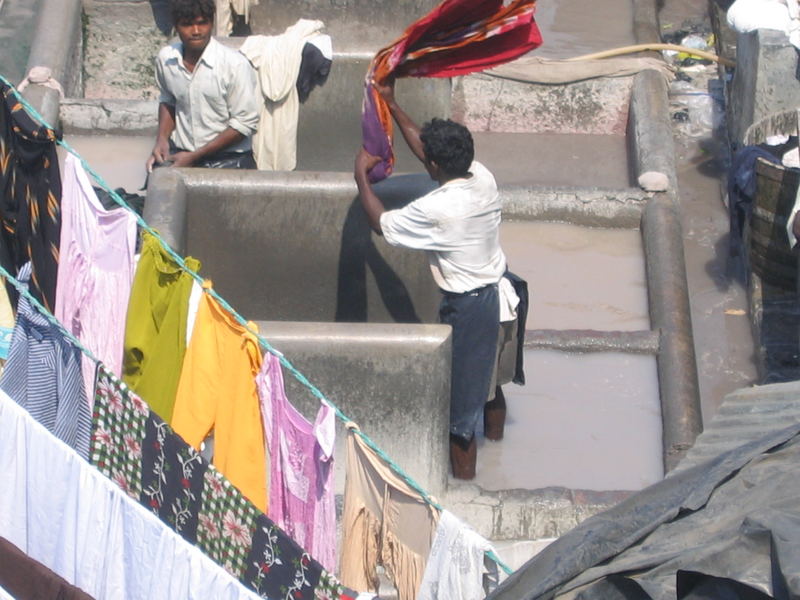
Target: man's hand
(364, 162)
(182, 159)
(386, 90)
(158, 155)
(796, 226)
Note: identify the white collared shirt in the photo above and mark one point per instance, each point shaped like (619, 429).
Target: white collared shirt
(220, 93)
(458, 225)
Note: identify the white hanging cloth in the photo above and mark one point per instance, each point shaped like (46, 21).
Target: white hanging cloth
(64, 513)
(455, 566)
(277, 60)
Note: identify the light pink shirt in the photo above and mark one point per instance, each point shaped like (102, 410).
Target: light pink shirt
(301, 499)
(95, 271)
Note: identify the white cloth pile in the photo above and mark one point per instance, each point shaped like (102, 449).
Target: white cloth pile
(782, 15)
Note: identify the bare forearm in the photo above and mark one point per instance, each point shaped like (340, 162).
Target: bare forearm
(225, 139)
(370, 201)
(166, 122)
(408, 128)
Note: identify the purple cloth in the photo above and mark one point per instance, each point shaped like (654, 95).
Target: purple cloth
(301, 500)
(376, 140)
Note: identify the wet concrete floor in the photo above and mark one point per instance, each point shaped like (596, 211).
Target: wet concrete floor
(580, 277)
(576, 27)
(583, 421)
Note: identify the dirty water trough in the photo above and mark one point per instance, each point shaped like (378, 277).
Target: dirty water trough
(611, 400)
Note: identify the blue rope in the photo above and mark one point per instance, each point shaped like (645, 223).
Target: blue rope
(239, 318)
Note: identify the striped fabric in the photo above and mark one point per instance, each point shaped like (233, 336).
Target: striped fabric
(43, 375)
(456, 38)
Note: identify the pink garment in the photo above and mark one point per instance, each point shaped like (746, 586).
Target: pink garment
(95, 272)
(301, 499)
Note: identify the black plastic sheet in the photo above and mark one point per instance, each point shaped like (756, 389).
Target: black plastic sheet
(726, 529)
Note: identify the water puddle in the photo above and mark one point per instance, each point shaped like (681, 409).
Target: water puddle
(583, 421)
(579, 277)
(17, 23)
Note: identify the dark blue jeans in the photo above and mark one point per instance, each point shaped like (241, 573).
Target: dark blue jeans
(474, 317)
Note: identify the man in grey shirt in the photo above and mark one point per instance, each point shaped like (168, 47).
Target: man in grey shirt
(208, 107)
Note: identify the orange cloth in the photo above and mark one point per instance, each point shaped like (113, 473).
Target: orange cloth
(218, 390)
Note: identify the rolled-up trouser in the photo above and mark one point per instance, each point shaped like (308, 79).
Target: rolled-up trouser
(474, 317)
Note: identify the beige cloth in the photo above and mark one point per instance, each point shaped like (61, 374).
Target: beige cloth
(385, 522)
(531, 69)
(225, 10)
(277, 59)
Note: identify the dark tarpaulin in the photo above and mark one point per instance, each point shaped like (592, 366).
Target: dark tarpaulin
(728, 528)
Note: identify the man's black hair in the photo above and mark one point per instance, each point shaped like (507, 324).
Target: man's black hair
(189, 10)
(449, 145)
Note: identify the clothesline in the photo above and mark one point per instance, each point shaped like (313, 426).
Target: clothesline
(285, 363)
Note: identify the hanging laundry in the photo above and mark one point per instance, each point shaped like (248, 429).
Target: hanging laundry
(457, 37)
(43, 375)
(315, 65)
(6, 321)
(277, 60)
(28, 578)
(155, 332)
(230, 13)
(456, 563)
(385, 522)
(145, 457)
(30, 213)
(64, 513)
(217, 391)
(301, 497)
(95, 272)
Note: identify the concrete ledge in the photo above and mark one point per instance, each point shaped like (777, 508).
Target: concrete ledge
(670, 315)
(113, 117)
(585, 340)
(392, 380)
(524, 514)
(591, 207)
(650, 128)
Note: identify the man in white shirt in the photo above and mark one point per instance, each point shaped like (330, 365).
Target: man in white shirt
(457, 225)
(208, 108)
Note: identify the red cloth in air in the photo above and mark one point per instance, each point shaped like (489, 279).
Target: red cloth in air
(456, 38)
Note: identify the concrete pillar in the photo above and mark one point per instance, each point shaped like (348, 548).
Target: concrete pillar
(670, 315)
(765, 80)
(392, 380)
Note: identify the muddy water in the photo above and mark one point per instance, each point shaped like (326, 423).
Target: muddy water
(576, 27)
(579, 277)
(583, 421)
(551, 159)
(119, 160)
(17, 23)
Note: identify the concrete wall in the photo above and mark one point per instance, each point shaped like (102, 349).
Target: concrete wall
(294, 246)
(764, 81)
(354, 25)
(392, 380)
(596, 106)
